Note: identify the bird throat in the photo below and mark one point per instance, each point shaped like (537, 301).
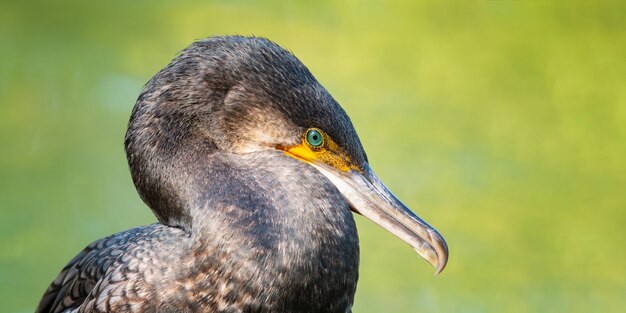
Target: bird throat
(277, 226)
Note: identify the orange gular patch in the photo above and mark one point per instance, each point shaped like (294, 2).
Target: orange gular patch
(328, 153)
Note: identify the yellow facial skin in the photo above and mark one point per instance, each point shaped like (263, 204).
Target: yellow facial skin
(329, 153)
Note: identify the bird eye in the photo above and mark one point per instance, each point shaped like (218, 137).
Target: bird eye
(314, 138)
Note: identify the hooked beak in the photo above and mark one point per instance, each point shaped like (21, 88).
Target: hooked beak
(368, 196)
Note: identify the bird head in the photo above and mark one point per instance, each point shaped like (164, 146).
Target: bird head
(239, 95)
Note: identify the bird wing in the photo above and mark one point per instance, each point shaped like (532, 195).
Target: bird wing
(98, 267)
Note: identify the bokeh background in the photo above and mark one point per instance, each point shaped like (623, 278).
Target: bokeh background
(502, 123)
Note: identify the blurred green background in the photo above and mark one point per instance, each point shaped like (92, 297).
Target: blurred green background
(501, 123)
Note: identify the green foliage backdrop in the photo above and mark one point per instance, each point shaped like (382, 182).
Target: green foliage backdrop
(502, 123)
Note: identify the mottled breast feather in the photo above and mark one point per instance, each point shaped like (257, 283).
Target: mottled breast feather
(99, 267)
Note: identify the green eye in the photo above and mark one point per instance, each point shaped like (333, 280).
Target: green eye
(314, 138)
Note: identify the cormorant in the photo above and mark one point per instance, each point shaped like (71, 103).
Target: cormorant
(252, 170)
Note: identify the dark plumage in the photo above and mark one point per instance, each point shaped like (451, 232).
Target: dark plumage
(248, 221)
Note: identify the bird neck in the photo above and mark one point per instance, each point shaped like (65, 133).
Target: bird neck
(264, 213)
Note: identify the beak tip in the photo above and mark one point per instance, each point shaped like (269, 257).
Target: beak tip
(441, 249)
(437, 258)
(439, 268)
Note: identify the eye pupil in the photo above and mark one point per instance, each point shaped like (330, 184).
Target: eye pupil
(314, 138)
